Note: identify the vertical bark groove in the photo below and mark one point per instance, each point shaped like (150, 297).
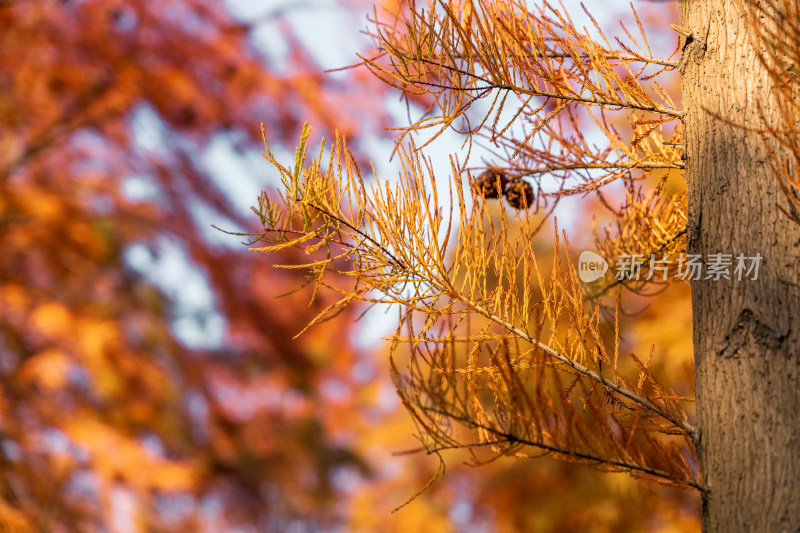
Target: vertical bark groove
(746, 338)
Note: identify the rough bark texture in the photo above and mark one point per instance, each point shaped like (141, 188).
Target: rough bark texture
(746, 333)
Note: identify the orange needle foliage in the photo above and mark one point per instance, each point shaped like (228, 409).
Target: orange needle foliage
(533, 327)
(502, 356)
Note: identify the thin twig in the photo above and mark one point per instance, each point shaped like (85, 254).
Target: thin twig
(688, 428)
(562, 451)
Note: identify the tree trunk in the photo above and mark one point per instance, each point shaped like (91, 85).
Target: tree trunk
(746, 333)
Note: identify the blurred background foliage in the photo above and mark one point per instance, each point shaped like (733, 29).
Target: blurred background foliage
(149, 377)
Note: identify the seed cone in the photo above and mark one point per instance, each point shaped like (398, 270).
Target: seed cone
(519, 194)
(490, 183)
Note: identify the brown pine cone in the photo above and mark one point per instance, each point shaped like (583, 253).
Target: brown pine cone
(519, 194)
(490, 183)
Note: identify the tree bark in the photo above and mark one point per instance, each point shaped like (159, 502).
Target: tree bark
(746, 333)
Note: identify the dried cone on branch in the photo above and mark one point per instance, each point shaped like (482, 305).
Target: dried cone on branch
(491, 183)
(519, 194)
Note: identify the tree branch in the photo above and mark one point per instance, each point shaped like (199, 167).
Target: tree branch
(508, 437)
